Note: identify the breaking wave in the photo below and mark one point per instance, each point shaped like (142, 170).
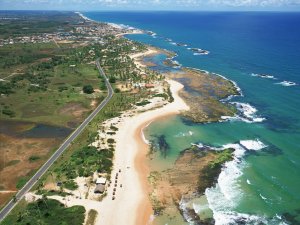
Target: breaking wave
(246, 113)
(287, 83)
(226, 195)
(265, 76)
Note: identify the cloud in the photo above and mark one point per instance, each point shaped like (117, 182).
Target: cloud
(263, 3)
(150, 4)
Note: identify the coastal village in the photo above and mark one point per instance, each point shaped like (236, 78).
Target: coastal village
(83, 30)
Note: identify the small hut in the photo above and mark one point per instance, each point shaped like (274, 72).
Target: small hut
(100, 188)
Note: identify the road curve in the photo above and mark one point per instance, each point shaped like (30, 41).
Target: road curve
(12, 203)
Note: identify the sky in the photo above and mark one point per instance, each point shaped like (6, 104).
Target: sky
(198, 5)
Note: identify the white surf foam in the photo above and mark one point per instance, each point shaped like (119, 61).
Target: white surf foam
(204, 53)
(246, 113)
(262, 197)
(253, 144)
(143, 135)
(144, 138)
(287, 83)
(265, 76)
(176, 64)
(229, 218)
(227, 193)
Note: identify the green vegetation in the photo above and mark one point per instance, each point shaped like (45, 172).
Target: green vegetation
(110, 141)
(23, 180)
(223, 156)
(47, 77)
(8, 112)
(12, 162)
(84, 162)
(52, 192)
(43, 83)
(88, 89)
(79, 158)
(112, 80)
(36, 23)
(114, 128)
(162, 95)
(34, 158)
(171, 98)
(70, 184)
(143, 103)
(211, 172)
(46, 211)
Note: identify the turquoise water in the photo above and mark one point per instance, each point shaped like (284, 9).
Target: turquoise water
(261, 185)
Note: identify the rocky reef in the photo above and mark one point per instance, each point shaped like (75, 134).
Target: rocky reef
(195, 170)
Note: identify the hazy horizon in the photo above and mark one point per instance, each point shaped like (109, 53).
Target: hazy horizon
(152, 5)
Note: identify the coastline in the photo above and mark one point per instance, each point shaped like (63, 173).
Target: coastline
(130, 137)
(175, 174)
(131, 158)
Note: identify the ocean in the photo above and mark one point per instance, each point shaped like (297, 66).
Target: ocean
(260, 52)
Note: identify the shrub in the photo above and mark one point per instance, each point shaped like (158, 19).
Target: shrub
(34, 158)
(8, 112)
(112, 80)
(110, 141)
(88, 89)
(71, 185)
(143, 103)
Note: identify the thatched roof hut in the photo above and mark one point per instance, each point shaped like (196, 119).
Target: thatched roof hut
(100, 188)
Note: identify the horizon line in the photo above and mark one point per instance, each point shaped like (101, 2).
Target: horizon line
(147, 10)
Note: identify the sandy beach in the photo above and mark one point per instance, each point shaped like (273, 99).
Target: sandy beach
(132, 205)
(139, 56)
(130, 157)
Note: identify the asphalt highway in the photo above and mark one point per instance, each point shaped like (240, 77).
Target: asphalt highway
(27, 187)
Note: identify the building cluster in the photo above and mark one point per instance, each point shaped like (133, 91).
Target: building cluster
(38, 38)
(87, 30)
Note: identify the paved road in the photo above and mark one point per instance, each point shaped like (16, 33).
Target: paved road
(5, 211)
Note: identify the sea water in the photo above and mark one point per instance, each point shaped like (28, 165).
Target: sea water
(260, 51)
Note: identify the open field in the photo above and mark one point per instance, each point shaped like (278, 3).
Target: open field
(41, 87)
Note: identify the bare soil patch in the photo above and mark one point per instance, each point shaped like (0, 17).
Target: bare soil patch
(15, 160)
(73, 109)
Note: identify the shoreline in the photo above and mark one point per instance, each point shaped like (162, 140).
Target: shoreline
(143, 169)
(131, 158)
(130, 135)
(131, 189)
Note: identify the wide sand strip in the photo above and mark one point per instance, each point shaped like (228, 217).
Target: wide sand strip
(131, 205)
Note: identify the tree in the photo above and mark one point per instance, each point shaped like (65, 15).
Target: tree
(112, 80)
(88, 89)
